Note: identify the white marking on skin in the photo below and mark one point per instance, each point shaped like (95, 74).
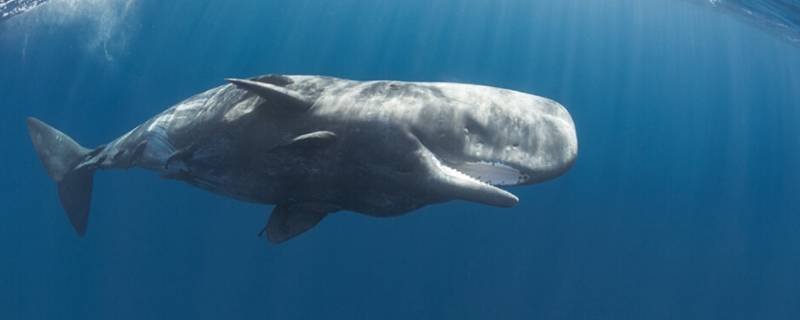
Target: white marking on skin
(242, 108)
(158, 147)
(189, 105)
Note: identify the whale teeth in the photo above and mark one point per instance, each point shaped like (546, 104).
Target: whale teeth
(494, 173)
(467, 176)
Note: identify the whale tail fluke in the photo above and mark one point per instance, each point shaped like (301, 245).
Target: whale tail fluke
(61, 156)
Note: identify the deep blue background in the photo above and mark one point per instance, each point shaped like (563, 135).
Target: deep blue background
(683, 203)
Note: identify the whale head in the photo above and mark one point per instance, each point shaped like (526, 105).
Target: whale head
(445, 140)
(478, 139)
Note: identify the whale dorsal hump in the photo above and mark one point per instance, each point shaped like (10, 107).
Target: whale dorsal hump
(279, 97)
(289, 221)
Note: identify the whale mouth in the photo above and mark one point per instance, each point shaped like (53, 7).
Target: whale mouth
(475, 181)
(493, 173)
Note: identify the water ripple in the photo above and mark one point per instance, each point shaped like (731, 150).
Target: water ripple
(10, 8)
(778, 16)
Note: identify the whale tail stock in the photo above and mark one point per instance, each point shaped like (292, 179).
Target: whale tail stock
(62, 157)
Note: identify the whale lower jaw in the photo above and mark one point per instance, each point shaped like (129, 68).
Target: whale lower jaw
(454, 183)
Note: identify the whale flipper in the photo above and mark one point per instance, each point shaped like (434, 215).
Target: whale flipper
(280, 97)
(61, 157)
(289, 221)
(308, 142)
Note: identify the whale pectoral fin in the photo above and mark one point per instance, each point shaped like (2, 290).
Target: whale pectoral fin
(289, 221)
(279, 97)
(309, 142)
(315, 139)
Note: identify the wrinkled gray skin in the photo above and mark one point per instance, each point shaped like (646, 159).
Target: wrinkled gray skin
(315, 145)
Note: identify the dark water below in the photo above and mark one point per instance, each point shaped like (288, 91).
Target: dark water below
(683, 203)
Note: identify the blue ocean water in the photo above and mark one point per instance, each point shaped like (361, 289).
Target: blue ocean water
(683, 203)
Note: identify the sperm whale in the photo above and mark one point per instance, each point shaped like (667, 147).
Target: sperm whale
(312, 146)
